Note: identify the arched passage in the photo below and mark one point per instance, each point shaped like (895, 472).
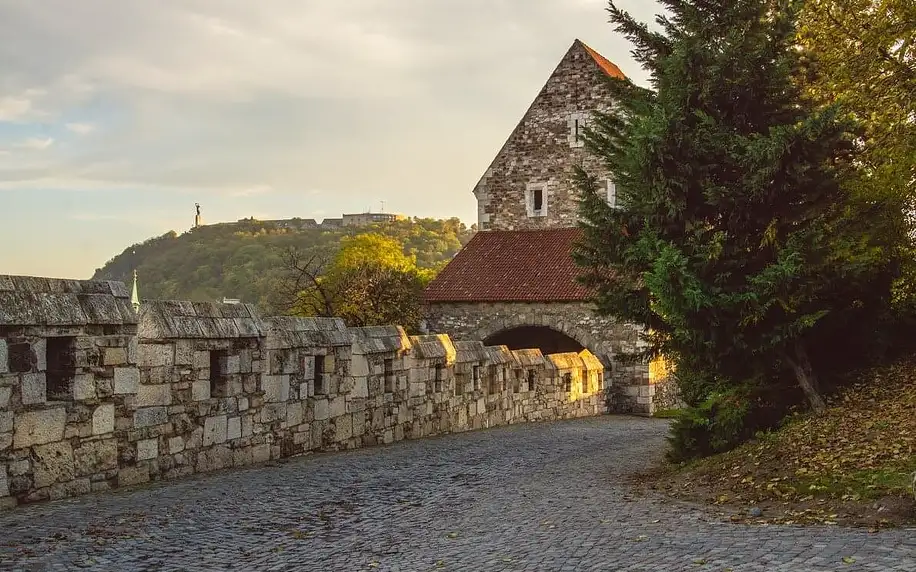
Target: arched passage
(544, 338)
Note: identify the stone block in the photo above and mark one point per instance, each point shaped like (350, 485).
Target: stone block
(52, 463)
(360, 388)
(273, 412)
(294, 414)
(34, 388)
(4, 484)
(153, 395)
(184, 352)
(6, 441)
(176, 445)
(214, 459)
(260, 454)
(338, 407)
(133, 351)
(70, 489)
(322, 409)
(41, 354)
(155, 355)
(128, 476)
(147, 449)
(95, 457)
(200, 390)
(103, 419)
(84, 387)
(126, 380)
(201, 360)
(343, 428)
(150, 417)
(5, 394)
(114, 356)
(234, 428)
(38, 427)
(4, 359)
(275, 388)
(243, 404)
(215, 430)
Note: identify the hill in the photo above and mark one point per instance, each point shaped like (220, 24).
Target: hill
(244, 260)
(852, 465)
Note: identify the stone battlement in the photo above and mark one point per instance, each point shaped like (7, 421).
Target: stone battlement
(94, 396)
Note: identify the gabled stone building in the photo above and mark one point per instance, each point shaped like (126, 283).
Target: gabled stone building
(515, 282)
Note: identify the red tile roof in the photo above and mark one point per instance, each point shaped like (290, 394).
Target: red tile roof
(512, 266)
(605, 64)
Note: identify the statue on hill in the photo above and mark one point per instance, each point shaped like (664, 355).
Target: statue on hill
(197, 219)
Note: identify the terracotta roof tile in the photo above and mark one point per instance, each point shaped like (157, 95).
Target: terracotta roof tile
(512, 266)
(605, 64)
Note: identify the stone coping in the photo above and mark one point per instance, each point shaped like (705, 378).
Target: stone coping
(34, 301)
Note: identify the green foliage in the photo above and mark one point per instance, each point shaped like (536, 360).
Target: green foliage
(246, 259)
(370, 282)
(735, 242)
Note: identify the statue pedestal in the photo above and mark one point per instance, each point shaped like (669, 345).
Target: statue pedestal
(197, 221)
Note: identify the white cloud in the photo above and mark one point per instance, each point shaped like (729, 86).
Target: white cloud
(36, 143)
(402, 100)
(80, 128)
(14, 108)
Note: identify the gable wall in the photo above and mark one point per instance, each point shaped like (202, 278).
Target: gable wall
(539, 151)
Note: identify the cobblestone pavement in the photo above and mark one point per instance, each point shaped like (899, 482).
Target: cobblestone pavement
(535, 497)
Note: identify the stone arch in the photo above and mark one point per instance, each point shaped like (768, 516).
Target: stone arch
(498, 324)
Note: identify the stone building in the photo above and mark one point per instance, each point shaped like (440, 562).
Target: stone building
(367, 218)
(95, 396)
(515, 282)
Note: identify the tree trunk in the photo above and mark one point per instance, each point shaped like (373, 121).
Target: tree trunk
(804, 374)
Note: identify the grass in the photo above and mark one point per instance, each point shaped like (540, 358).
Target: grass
(854, 463)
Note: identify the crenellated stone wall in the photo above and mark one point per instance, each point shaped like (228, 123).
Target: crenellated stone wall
(94, 396)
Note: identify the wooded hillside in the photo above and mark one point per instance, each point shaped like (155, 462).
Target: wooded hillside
(245, 260)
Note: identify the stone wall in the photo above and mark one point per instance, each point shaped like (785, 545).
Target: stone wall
(542, 151)
(93, 397)
(630, 388)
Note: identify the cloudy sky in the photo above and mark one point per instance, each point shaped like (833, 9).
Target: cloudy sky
(116, 116)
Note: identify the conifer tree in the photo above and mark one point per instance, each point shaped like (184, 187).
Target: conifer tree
(733, 243)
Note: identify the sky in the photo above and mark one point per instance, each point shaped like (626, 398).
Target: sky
(117, 116)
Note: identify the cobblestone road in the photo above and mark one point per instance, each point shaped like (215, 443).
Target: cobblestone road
(537, 497)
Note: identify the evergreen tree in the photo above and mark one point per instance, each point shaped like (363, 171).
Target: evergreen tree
(733, 242)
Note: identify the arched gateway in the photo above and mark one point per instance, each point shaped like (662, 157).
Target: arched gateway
(514, 283)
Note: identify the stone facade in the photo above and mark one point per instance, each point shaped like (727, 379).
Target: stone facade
(630, 388)
(542, 151)
(93, 397)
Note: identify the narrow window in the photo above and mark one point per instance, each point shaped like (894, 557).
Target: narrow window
(61, 368)
(319, 375)
(476, 377)
(494, 380)
(585, 383)
(531, 379)
(437, 378)
(538, 199)
(567, 382)
(517, 383)
(389, 376)
(219, 373)
(578, 135)
(459, 384)
(21, 358)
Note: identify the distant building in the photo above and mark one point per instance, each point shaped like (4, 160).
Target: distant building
(365, 219)
(332, 223)
(233, 301)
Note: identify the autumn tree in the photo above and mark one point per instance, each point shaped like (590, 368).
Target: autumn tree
(734, 243)
(371, 281)
(861, 55)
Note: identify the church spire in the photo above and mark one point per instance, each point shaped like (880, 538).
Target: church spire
(134, 297)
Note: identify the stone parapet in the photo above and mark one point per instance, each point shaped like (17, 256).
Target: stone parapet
(96, 397)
